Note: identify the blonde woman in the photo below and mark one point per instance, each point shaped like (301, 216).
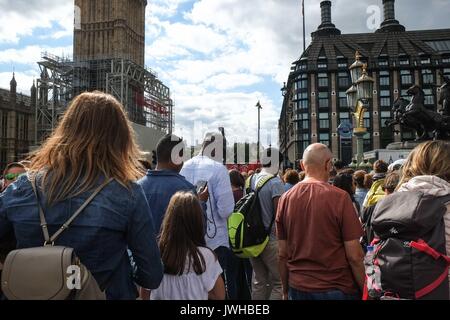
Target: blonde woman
(93, 143)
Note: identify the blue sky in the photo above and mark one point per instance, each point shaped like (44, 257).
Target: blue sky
(219, 57)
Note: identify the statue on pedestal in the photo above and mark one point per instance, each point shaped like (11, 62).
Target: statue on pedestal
(427, 123)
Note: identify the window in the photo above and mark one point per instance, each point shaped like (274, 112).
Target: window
(404, 62)
(342, 64)
(324, 121)
(304, 141)
(343, 80)
(385, 98)
(344, 117)
(302, 82)
(446, 60)
(323, 80)
(302, 66)
(427, 76)
(385, 115)
(384, 78)
(324, 138)
(367, 122)
(429, 97)
(446, 72)
(303, 104)
(343, 100)
(4, 124)
(404, 94)
(406, 77)
(323, 100)
(303, 121)
(383, 63)
(424, 60)
(322, 65)
(302, 95)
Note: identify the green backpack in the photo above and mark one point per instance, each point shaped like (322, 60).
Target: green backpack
(247, 233)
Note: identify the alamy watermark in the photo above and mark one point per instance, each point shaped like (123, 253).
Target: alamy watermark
(374, 20)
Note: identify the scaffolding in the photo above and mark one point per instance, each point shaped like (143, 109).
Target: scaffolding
(145, 98)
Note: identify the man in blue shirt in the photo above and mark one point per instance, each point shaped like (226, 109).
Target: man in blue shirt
(161, 184)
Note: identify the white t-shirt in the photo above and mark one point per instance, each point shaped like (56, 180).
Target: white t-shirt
(190, 286)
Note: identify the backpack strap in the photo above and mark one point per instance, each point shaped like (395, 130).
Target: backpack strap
(422, 246)
(247, 187)
(51, 240)
(262, 182)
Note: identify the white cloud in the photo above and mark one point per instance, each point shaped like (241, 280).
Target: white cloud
(225, 81)
(164, 8)
(31, 54)
(20, 18)
(235, 111)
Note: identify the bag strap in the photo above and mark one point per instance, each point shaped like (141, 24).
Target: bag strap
(51, 240)
(261, 183)
(422, 246)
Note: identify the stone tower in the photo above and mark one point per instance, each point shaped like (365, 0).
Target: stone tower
(109, 29)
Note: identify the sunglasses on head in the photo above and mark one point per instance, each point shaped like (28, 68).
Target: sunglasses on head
(12, 176)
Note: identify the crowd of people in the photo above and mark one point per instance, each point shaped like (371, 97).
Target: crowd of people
(162, 233)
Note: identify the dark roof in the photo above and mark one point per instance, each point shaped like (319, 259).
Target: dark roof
(372, 46)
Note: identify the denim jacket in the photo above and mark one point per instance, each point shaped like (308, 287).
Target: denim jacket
(116, 220)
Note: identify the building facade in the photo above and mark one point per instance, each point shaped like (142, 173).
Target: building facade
(17, 118)
(316, 105)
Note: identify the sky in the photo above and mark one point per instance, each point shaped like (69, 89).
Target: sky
(219, 57)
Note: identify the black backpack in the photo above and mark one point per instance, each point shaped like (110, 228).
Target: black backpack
(247, 233)
(407, 259)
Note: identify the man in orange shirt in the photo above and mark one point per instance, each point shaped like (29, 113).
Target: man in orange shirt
(320, 254)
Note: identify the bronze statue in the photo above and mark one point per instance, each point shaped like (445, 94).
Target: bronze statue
(444, 99)
(414, 115)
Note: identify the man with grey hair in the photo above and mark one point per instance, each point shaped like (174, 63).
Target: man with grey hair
(318, 232)
(207, 169)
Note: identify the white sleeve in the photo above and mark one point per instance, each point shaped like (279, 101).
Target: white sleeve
(213, 269)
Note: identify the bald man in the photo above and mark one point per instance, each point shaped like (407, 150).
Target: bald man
(320, 257)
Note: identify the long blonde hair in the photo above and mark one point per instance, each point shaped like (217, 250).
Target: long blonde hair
(93, 139)
(429, 158)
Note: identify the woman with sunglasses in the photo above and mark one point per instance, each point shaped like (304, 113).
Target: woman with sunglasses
(11, 173)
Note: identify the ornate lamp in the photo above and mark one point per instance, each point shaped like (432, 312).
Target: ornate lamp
(364, 85)
(356, 69)
(358, 98)
(352, 97)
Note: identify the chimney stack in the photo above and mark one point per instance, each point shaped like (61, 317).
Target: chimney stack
(389, 9)
(325, 6)
(390, 24)
(326, 28)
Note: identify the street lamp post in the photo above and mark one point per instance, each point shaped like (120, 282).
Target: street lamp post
(285, 153)
(358, 98)
(258, 105)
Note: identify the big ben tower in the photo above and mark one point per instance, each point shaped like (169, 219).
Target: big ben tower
(107, 29)
(108, 56)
